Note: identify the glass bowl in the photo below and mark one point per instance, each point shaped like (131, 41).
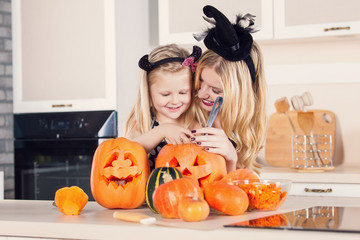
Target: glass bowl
(265, 194)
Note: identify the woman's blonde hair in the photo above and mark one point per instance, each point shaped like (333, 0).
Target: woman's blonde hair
(142, 115)
(243, 114)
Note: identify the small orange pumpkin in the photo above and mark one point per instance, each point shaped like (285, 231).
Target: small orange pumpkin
(226, 198)
(119, 173)
(192, 161)
(71, 200)
(166, 197)
(193, 209)
(239, 174)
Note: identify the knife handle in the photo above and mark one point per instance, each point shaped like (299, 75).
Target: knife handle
(134, 217)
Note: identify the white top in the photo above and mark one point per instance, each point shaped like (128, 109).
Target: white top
(42, 219)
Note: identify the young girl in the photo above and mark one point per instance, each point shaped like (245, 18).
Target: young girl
(232, 67)
(164, 98)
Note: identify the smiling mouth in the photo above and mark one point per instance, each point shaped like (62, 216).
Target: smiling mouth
(174, 109)
(207, 103)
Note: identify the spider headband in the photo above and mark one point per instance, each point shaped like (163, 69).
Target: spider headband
(233, 42)
(147, 66)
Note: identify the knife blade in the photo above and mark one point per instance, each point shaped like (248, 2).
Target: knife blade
(214, 111)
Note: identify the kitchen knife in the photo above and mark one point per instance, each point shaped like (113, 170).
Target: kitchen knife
(214, 111)
(134, 217)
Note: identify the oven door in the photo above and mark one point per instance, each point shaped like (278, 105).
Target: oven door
(44, 166)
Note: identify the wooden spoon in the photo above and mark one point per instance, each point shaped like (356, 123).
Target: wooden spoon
(306, 123)
(282, 106)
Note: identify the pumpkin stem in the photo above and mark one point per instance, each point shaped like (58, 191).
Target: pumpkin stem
(167, 177)
(195, 197)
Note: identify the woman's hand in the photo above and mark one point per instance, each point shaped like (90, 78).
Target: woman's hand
(214, 140)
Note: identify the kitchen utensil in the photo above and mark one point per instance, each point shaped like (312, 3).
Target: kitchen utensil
(282, 106)
(134, 217)
(214, 111)
(278, 146)
(299, 102)
(306, 123)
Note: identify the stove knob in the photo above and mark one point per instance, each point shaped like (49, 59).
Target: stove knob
(43, 124)
(79, 123)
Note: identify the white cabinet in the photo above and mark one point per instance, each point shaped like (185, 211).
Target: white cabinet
(179, 20)
(325, 189)
(308, 18)
(343, 181)
(64, 55)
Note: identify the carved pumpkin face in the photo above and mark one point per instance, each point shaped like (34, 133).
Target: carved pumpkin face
(192, 161)
(119, 173)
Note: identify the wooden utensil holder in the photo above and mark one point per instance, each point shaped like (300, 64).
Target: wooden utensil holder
(303, 156)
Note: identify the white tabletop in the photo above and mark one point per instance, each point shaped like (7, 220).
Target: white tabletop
(41, 219)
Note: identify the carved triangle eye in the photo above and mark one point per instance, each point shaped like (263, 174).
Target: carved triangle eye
(198, 161)
(174, 162)
(186, 172)
(114, 156)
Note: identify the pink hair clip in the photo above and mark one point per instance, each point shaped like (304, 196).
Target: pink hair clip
(190, 62)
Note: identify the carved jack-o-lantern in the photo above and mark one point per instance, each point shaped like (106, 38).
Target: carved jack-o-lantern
(119, 173)
(192, 161)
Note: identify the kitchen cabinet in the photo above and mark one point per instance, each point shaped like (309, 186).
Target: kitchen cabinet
(321, 18)
(179, 20)
(63, 55)
(343, 181)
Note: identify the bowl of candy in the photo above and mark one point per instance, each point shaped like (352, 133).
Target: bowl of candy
(265, 194)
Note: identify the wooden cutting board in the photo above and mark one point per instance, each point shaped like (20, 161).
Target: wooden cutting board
(278, 146)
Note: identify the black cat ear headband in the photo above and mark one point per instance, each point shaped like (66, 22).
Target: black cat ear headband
(233, 42)
(189, 61)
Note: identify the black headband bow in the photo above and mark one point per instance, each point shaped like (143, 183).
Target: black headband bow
(144, 63)
(233, 42)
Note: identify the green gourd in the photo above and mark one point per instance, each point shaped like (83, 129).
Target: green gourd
(157, 177)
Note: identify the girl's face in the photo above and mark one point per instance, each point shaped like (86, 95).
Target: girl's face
(210, 88)
(171, 94)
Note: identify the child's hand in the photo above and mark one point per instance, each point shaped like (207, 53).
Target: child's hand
(175, 134)
(215, 140)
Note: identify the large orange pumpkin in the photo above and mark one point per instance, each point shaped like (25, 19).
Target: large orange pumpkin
(166, 197)
(192, 161)
(226, 198)
(119, 173)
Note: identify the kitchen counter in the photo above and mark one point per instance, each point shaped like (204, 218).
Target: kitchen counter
(340, 174)
(27, 218)
(342, 181)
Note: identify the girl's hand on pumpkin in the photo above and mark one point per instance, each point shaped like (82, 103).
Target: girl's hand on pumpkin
(215, 140)
(175, 134)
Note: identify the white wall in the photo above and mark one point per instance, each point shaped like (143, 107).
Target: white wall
(133, 41)
(339, 94)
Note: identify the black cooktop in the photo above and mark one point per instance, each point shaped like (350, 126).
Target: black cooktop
(320, 218)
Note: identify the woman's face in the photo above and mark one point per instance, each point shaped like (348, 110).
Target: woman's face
(210, 88)
(171, 94)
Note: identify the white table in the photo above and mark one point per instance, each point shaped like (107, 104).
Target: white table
(27, 218)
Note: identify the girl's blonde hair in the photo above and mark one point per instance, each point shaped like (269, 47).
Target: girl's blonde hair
(142, 115)
(243, 114)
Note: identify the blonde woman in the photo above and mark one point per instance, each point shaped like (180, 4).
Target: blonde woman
(232, 68)
(160, 115)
